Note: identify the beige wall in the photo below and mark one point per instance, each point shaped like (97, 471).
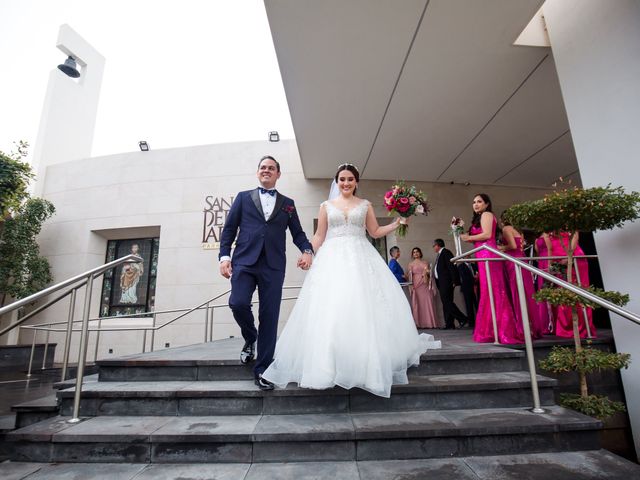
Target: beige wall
(122, 195)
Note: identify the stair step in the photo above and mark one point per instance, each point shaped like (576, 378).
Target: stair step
(238, 397)
(219, 360)
(317, 437)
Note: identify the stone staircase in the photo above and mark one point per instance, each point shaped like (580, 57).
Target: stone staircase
(197, 404)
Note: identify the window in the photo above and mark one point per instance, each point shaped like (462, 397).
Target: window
(130, 288)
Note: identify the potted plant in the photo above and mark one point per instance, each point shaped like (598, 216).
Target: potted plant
(571, 210)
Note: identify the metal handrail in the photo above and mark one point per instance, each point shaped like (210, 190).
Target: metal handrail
(519, 265)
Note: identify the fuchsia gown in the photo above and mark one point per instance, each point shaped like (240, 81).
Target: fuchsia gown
(422, 293)
(537, 327)
(545, 314)
(564, 322)
(505, 318)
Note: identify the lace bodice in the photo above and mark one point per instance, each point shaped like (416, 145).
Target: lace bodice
(346, 224)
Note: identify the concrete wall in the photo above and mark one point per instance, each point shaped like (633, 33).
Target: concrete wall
(128, 195)
(596, 45)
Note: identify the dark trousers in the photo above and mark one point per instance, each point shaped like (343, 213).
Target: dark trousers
(470, 302)
(269, 282)
(449, 308)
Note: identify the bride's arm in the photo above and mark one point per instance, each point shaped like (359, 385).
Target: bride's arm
(321, 231)
(375, 230)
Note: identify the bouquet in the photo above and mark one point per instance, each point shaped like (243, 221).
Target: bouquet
(457, 227)
(405, 201)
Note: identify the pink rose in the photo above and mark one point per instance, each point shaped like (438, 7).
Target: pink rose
(412, 200)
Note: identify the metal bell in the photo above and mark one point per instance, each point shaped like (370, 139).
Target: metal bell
(69, 68)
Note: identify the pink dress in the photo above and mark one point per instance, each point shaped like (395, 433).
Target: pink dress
(545, 313)
(537, 327)
(505, 318)
(422, 293)
(564, 322)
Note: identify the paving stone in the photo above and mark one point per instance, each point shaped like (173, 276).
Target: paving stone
(41, 431)
(18, 470)
(590, 465)
(226, 471)
(401, 424)
(432, 469)
(273, 405)
(87, 471)
(490, 421)
(112, 429)
(386, 449)
(231, 428)
(304, 471)
(137, 406)
(285, 428)
(101, 452)
(220, 406)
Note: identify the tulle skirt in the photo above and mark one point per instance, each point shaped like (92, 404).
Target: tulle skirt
(351, 325)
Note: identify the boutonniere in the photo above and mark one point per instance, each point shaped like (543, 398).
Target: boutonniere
(289, 209)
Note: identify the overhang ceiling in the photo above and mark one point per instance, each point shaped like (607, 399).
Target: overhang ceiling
(427, 90)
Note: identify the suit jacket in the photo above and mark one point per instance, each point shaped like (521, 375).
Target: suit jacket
(447, 271)
(246, 224)
(397, 270)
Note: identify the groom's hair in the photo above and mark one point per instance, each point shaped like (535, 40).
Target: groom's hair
(439, 242)
(268, 157)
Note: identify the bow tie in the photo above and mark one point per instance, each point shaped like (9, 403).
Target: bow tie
(271, 192)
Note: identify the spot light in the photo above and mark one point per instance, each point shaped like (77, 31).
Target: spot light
(144, 146)
(274, 136)
(69, 67)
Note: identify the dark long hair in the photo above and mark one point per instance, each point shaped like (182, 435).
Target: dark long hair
(475, 220)
(350, 167)
(416, 249)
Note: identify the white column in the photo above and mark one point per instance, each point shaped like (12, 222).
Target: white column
(596, 46)
(70, 106)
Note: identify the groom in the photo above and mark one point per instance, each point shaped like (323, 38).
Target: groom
(447, 277)
(257, 221)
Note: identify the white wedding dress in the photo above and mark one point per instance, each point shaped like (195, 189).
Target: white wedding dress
(352, 324)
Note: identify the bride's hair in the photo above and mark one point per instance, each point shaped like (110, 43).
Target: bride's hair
(350, 167)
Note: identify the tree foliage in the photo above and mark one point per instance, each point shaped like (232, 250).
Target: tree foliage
(561, 297)
(22, 270)
(577, 209)
(588, 360)
(15, 175)
(597, 406)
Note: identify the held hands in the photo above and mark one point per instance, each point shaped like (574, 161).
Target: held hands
(305, 261)
(225, 269)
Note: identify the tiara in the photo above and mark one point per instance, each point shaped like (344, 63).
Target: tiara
(348, 165)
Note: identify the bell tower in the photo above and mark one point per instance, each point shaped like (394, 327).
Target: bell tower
(70, 106)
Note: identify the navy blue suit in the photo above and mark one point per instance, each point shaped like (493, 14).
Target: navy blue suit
(259, 261)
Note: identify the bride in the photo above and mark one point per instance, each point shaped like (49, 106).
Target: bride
(352, 325)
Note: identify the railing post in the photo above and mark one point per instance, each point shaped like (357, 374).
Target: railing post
(492, 302)
(95, 352)
(584, 309)
(211, 324)
(84, 340)
(528, 345)
(67, 340)
(46, 348)
(153, 332)
(144, 340)
(33, 349)
(206, 323)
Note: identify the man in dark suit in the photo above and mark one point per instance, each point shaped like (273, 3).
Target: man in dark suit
(258, 221)
(447, 277)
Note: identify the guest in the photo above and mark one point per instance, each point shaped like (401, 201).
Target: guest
(395, 267)
(447, 277)
(422, 291)
(483, 232)
(512, 244)
(564, 321)
(545, 312)
(468, 276)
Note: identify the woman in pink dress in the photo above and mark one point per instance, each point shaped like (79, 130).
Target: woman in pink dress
(422, 291)
(483, 232)
(564, 322)
(545, 313)
(512, 244)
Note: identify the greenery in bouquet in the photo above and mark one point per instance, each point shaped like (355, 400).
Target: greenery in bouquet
(405, 201)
